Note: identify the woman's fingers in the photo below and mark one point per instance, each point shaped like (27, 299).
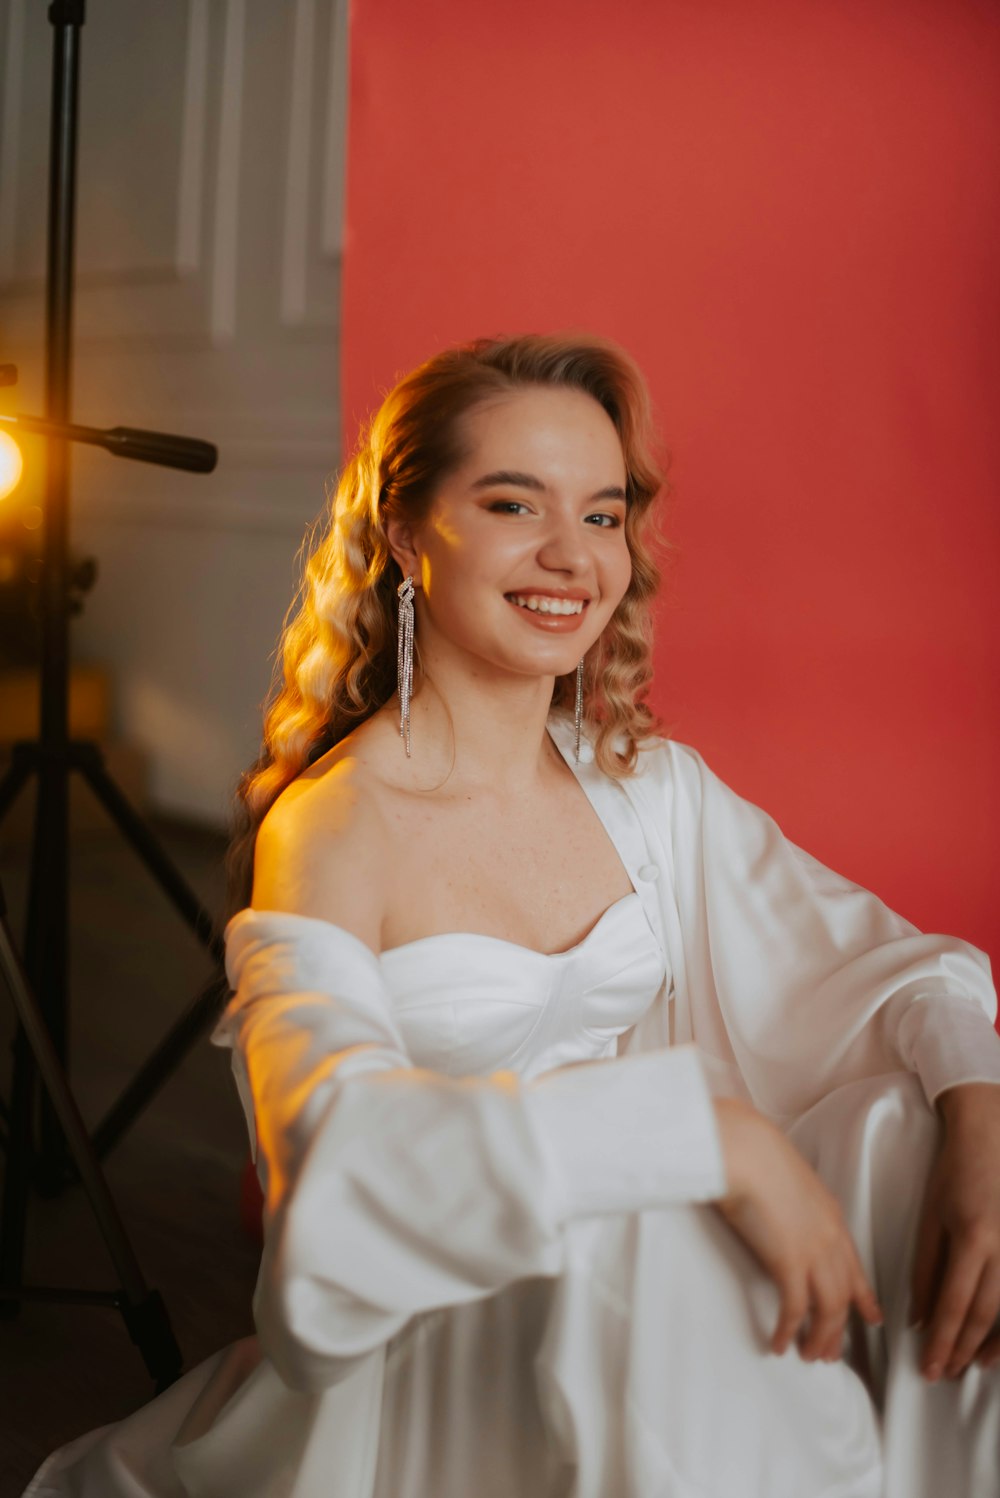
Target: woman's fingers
(927, 1263)
(867, 1302)
(961, 1280)
(978, 1322)
(824, 1337)
(834, 1293)
(831, 1298)
(862, 1293)
(988, 1355)
(794, 1307)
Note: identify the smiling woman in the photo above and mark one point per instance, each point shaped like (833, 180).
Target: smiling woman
(553, 549)
(435, 459)
(570, 1081)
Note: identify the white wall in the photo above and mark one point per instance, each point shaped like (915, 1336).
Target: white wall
(209, 232)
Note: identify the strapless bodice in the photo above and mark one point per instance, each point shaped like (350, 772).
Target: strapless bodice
(469, 1004)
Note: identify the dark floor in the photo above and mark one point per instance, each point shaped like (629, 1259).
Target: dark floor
(175, 1175)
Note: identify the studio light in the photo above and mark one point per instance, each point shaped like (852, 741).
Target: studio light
(11, 465)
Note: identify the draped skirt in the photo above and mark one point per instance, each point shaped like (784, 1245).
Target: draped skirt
(642, 1370)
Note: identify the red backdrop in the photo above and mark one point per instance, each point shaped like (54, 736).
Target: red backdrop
(789, 215)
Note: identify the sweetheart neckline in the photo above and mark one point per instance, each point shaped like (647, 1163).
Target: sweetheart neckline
(419, 941)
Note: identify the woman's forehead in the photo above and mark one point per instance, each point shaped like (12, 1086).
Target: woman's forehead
(561, 427)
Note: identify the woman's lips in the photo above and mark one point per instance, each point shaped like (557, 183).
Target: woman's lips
(558, 624)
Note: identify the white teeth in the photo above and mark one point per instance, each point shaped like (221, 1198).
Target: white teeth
(548, 605)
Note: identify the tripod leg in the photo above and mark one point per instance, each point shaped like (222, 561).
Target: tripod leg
(144, 1312)
(16, 1182)
(86, 758)
(161, 1063)
(21, 766)
(168, 1055)
(22, 1090)
(46, 956)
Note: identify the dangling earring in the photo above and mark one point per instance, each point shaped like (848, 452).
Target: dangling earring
(579, 707)
(404, 658)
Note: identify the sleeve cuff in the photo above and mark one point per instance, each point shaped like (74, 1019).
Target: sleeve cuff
(629, 1133)
(948, 1042)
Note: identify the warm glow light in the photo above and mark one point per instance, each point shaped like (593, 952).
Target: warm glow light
(11, 464)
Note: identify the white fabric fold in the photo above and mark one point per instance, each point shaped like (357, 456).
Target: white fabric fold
(948, 1041)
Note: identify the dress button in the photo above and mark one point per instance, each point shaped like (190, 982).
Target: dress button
(649, 871)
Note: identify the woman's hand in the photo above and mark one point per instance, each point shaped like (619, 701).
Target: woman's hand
(956, 1274)
(794, 1226)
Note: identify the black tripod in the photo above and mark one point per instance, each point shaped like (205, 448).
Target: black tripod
(50, 759)
(143, 1309)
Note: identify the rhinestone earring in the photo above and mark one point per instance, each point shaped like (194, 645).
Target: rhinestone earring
(579, 707)
(404, 658)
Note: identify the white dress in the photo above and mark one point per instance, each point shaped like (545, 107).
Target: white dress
(490, 1270)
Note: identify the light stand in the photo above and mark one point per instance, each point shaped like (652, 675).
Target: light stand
(43, 1043)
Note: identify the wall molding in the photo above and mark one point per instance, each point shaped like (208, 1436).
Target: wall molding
(334, 154)
(295, 236)
(193, 136)
(224, 325)
(190, 299)
(10, 124)
(312, 229)
(186, 259)
(225, 239)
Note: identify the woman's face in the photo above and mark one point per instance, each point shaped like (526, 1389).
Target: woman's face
(537, 509)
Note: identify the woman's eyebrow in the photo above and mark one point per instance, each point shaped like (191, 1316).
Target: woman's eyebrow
(529, 481)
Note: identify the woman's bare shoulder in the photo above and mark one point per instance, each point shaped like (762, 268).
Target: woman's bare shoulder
(322, 848)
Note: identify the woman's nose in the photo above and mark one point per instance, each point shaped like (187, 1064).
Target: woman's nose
(564, 545)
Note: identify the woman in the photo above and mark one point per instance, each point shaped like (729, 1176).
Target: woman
(604, 1133)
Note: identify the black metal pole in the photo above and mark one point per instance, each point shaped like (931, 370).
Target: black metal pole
(39, 986)
(46, 955)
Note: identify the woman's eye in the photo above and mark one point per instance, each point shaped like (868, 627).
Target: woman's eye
(515, 504)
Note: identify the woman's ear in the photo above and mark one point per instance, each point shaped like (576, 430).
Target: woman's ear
(399, 534)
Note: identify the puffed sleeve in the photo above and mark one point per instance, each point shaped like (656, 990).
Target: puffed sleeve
(391, 1189)
(807, 979)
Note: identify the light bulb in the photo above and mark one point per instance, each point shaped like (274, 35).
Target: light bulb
(11, 464)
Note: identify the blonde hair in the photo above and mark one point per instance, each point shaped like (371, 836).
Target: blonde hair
(336, 658)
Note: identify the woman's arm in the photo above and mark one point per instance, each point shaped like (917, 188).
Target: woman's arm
(794, 1225)
(956, 1273)
(810, 979)
(391, 1189)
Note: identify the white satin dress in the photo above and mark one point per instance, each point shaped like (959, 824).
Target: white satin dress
(491, 1270)
(550, 1386)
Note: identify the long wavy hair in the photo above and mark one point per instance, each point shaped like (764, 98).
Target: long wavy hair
(336, 658)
